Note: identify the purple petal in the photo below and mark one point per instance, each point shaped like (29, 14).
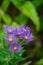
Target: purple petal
(28, 29)
(31, 37)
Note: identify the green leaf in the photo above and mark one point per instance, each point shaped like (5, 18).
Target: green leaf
(18, 3)
(29, 10)
(13, 63)
(40, 62)
(5, 4)
(5, 63)
(37, 2)
(12, 55)
(5, 17)
(21, 52)
(21, 19)
(15, 24)
(17, 57)
(4, 55)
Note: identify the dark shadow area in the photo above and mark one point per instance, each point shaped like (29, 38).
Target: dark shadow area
(1, 2)
(12, 11)
(40, 10)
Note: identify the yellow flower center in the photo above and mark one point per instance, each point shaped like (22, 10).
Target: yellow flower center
(26, 37)
(10, 31)
(10, 39)
(24, 29)
(15, 48)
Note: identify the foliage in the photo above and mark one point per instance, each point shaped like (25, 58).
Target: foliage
(25, 12)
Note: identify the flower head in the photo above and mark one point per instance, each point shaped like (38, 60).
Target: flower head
(10, 39)
(9, 29)
(28, 37)
(15, 47)
(25, 29)
(18, 33)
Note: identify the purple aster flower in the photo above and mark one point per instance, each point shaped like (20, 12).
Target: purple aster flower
(25, 29)
(10, 39)
(15, 47)
(28, 37)
(9, 29)
(18, 33)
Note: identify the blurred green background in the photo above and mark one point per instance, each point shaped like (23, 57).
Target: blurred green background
(27, 12)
